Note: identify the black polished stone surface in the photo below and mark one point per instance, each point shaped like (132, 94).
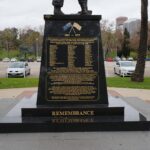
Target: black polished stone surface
(72, 68)
(132, 120)
(99, 111)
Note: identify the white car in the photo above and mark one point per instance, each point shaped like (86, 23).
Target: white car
(38, 59)
(117, 59)
(13, 59)
(18, 69)
(124, 68)
(130, 59)
(6, 60)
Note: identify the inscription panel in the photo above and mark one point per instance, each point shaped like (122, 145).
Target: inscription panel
(72, 69)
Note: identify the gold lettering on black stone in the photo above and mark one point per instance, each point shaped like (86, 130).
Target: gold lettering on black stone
(52, 55)
(73, 72)
(71, 56)
(72, 120)
(72, 90)
(72, 113)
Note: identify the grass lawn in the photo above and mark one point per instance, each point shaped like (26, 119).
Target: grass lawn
(127, 83)
(6, 83)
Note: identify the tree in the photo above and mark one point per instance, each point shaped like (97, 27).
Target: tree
(108, 36)
(134, 42)
(149, 35)
(1, 42)
(138, 75)
(8, 38)
(126, 44)
(29, 39)
(119, 40)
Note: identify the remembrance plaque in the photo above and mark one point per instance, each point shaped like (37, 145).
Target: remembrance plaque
(72, 69)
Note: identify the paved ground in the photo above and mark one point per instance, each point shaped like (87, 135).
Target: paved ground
(75, 141)
(35, 67)
(15, 93)
(122, 92)
(125, 92)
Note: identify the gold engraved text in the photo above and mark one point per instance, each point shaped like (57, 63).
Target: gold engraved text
(72, 113)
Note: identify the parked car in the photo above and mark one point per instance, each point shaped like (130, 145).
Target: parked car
(147, 59)
(6, 60)
(123, 59)
(23, 59)
(13, 59)
(117, 58)
(130, 59)
(124, 68)
(38, 59)
(18, 69)
(30, 60)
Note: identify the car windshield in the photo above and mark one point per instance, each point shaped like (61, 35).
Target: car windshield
(17, 65)
(127, 64)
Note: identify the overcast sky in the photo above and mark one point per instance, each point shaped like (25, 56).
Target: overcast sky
(21, 13)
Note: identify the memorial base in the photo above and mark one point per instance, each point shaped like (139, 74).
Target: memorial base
(132, 120)
(73, 111)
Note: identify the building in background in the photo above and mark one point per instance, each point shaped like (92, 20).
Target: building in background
(132, 25)
(120, 23)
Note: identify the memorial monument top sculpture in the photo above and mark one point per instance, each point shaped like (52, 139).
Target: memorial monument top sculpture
(59, 3)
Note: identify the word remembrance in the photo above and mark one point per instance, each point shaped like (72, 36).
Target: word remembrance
(72, 93)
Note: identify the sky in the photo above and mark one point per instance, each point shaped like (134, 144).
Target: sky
(22, 13)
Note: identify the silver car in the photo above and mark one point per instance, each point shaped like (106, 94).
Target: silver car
(18, 69)
(124, 68)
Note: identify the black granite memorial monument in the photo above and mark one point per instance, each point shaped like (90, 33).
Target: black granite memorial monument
(72, 77)
(72, 93)
(72, 70)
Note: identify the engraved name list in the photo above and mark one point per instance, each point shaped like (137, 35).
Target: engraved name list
(72, 69)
